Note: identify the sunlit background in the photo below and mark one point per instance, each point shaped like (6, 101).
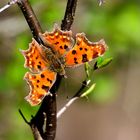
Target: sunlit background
(112, 111)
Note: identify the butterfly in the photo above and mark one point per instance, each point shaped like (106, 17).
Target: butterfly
(57, 51)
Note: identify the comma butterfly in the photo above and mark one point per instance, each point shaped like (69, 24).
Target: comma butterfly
(58, 51)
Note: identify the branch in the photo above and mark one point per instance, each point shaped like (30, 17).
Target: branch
(51, 118)
(20, 112)
(69, 15)
(66, 106)
(8, 5)
(47, 110)
(30, 18)
(35, 131)
(77, 95)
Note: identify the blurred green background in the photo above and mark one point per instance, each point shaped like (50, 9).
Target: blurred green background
(112, 111)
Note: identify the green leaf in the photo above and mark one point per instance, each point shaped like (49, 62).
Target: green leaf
(103, 62)
(89, 90)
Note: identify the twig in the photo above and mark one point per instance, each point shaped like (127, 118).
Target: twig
(10, 3)
(35, 131)
(87, 86)
(77, 95)
(20, 112)
(30, 18)
(69, 15)
(67, 105)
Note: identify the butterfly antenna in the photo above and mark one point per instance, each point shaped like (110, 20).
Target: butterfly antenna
(8, 5)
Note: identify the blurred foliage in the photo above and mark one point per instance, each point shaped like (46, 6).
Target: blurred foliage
(116, 21)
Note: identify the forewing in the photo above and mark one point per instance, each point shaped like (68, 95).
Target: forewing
(84, 51)
(59, 41)
(33, 58)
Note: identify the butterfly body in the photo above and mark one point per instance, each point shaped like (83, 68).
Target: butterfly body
(55, 63)
(58, 51)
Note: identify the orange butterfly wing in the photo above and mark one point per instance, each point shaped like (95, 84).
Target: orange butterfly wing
(84, 51)
(33, 57)
(41, 79)
(40, 84)
(59, 41)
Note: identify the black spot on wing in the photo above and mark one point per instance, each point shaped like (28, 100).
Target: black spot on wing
(49, 80)
(61, 47)
(45, 87)
(73, 51)
(42, 75)
(75, 60)
(84, 58)
(86, 49)
(65, 46)
(38, 66)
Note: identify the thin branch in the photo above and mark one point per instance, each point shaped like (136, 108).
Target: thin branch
(67, 105)
(20, 112)
(35, 131)
(87, 86)
(10, 3)
(30, 18)
(69, 15)
(77, 95)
